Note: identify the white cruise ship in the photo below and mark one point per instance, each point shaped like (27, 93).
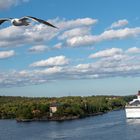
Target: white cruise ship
(133, 108)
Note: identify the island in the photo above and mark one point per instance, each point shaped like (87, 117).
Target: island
(25, 109)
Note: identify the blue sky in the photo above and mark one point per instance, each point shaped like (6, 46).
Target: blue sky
(95, 50)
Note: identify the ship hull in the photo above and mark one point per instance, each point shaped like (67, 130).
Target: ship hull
(132, 112)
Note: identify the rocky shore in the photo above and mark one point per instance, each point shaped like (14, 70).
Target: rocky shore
(50, 119)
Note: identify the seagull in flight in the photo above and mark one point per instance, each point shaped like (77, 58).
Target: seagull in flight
(24, 21)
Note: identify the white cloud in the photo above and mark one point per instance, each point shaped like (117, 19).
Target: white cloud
(133, 50)
(4, 4)
(58, 45)
(6, 54)
(49, 71)
(18, 36)
(52, 61)
(75, 32)
(81, 41)
(118, 65)
(107, 53)
(71, 33)
(38, 33)
(38, 48)
(67, 24)
(106, 35)
(119, 23)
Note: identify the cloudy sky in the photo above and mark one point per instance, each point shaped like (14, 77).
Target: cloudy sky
(95, 51)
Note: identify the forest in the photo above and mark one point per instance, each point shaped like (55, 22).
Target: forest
(29, 108)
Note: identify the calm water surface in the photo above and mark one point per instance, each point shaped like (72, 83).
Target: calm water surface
(110, 126)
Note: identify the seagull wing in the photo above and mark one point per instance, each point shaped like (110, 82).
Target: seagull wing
(38, 20)
(3, 20)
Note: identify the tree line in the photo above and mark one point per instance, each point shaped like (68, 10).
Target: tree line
(39, 108)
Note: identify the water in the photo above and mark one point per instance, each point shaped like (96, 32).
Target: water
(110, 126)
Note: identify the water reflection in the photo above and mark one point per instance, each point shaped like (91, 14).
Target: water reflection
(133, 121)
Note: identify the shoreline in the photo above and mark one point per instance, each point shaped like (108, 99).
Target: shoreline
(64, 118)
(58, 109)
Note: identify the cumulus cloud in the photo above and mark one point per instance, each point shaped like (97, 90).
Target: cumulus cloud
(121, 64)
(113, 62)
(68, 24)
(18, 36)
(38, 48)
(133, 50)
(4, 4)
(75, 32)
(106, 35)
(107, 53)
(102, 68)
(71, 33)
(37, 34)
(52, 61)
(119, 23)
(50, 71)
(6, 54)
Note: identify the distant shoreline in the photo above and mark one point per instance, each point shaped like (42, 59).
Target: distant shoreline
(64, 118)
(24, 109)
